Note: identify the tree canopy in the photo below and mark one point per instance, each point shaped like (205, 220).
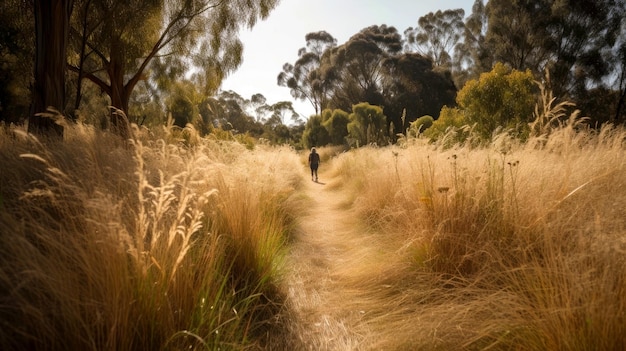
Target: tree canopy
(116, 44)
(150, 58)
(304, 78)
(501, 99)
(436, 35)
(173, 34)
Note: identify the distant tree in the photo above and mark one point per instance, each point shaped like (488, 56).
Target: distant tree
(304, 78)
(501, 99)
(314, 133)
(258, 103)
(436, 35)
(284, 112)
(367, 125)
(282, 134)
(414, 88)
(472, 55)
(355, 69)
(183, 103)
(295, 133)
(420, 125)
(227, 111)
(336, 123)
(571, 38)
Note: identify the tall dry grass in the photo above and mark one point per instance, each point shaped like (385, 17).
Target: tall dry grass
(514, 246)
(171, 242)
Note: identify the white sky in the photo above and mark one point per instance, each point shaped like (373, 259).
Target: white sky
(275, 41)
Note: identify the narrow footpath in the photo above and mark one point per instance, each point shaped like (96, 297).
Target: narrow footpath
(325, 294)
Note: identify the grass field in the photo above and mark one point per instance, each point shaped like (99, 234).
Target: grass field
(509, 247)
(176, 242)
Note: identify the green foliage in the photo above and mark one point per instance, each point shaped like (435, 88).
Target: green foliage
(501, 99)
(367, 125)
(355, 69)
(183, 104)
(314, 133)
(451, 120)
(370, 67)
(336, 123)
(420, 125)
(575, 40)
(170, 37)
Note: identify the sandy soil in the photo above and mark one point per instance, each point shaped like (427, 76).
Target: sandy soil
(321, 293)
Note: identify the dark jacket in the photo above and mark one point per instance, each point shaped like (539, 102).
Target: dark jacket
(314, 159)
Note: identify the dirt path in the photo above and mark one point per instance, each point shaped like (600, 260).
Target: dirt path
(321, 274)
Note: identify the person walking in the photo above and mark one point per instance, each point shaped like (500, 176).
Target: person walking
(314, 162)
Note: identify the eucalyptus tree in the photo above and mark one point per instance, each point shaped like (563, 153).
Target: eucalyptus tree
(517, 32)
(258, 104)
(284, 112)
(304, 78)
(584, 33)
(372, 67)
(414, 88)
(126, 36)
(182, 103)
(336, 123)
(228, 111)
(367, 125)
(570, 38)
(436, 36)
(314, 133)
(472, 55)
(355, 69)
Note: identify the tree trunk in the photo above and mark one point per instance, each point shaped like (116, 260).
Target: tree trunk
(120, 94)
(620, 107)
(83, 46)
(51, 35)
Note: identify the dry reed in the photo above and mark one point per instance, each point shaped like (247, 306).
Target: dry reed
(510, 246)
(109, 245)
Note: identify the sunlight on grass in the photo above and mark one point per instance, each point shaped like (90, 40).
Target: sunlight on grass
(179, 242)
(509, 247)
(153, 245)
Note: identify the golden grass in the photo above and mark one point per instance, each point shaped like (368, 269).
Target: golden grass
(158, 244)
(181, 242)
(511, 246)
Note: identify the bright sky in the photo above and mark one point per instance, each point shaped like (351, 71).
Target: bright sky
(275, 41)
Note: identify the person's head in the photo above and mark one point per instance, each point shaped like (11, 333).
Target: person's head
(313, 149)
